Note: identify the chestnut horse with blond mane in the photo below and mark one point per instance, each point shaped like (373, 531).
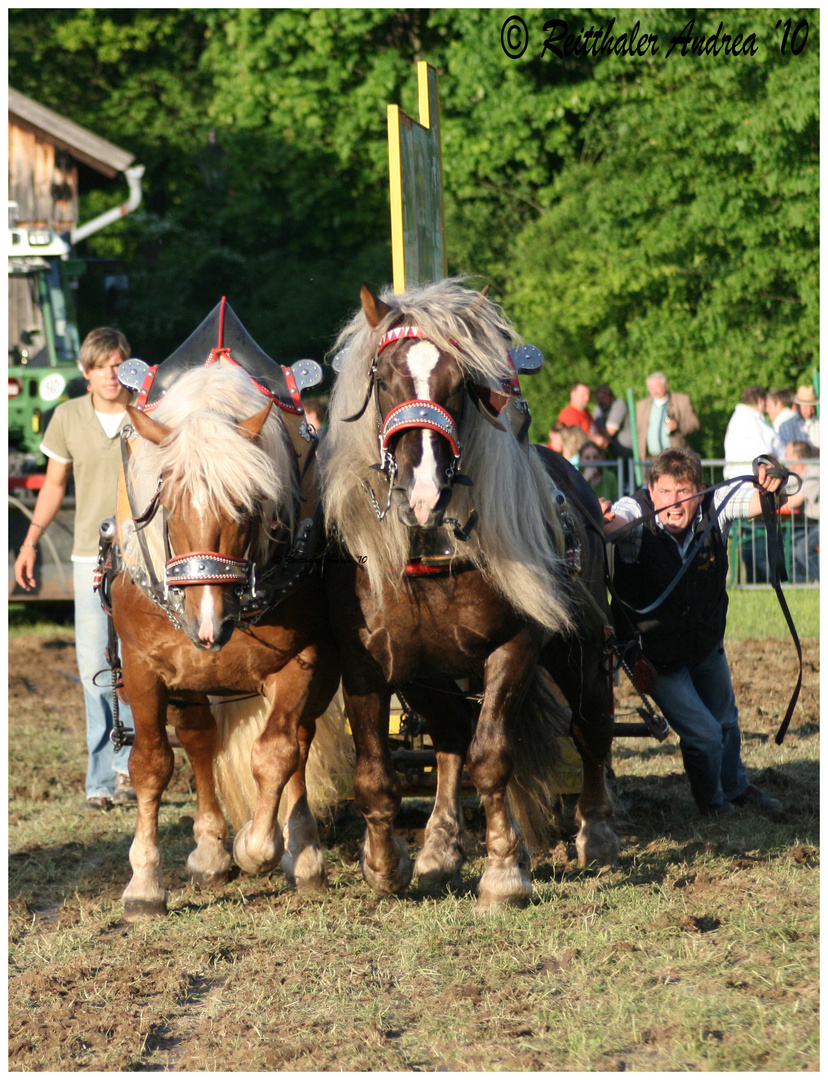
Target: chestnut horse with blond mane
(463, 590)
(213, 601)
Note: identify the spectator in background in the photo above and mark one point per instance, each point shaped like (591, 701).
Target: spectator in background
(316, 413)
(603, 480)
(554, 440)
(575, 414)
(612, 420)
(787, 423)
(664, 419)
(806, 401)
(749, 434)
(573, 438)
(803, 459)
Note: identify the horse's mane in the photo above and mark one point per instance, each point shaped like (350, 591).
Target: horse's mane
(207, 459)
(517, 542)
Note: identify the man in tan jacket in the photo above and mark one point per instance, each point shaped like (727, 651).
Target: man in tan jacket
(664, 419)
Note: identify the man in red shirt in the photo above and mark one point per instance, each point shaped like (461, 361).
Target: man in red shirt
(576, 414)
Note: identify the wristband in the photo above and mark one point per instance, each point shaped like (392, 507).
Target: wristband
(32, 546)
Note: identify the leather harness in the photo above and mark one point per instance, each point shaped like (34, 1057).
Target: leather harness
(425, 413)
(256, 590)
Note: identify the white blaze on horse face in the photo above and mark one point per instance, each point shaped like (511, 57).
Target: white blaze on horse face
(206, 630)
(421, 359)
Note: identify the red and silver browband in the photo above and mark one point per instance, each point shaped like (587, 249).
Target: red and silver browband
(418, 412)
(398, 334)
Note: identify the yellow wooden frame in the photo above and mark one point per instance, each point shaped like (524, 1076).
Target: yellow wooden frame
(418, 246)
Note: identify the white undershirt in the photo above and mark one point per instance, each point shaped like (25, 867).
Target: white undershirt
(110, 422)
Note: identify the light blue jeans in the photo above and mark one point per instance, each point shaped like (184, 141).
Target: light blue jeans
(91, 639)
(699, 704)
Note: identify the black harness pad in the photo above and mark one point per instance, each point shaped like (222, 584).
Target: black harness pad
(223, 330)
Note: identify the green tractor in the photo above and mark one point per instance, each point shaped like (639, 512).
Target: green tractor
(43, 340)
(43, 371)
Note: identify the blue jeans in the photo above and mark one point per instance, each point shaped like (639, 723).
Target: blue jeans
(699, 704)
(91, 639)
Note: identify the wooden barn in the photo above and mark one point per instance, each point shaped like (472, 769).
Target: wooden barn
(45, 150)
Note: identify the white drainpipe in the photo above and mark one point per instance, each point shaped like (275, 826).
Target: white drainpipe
(133, 175)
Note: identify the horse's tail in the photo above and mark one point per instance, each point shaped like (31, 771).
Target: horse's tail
(330, 769)
(547, 773)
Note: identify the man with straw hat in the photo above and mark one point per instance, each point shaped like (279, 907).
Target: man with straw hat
(807, 402)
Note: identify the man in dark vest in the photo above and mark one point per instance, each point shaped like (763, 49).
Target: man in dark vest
(682, 636)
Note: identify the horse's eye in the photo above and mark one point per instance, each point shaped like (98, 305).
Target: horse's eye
(381, 384)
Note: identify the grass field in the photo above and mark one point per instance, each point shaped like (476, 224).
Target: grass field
(699, 951)
(755, 613)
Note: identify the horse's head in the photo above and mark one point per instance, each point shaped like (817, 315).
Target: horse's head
(208, 543)
(420, 393)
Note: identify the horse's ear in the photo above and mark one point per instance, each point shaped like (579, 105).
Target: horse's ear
(150, 429)
(251, 428)
(478, 300)
(374, 308)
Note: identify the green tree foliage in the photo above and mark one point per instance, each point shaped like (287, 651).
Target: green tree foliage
(685, 238)
(632, 212)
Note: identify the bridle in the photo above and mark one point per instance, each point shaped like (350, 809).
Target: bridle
(415, 413)
(255, 592)
(192, 567)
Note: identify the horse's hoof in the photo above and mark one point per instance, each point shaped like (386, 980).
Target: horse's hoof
(437, 881)
(209, 868)
(311, 885)
(307, 871)
(597, 843)
(503, 886)
(393, 882)
(209, 879)
(436, 872)
(488, 904)
(144, 909)
(251, 863)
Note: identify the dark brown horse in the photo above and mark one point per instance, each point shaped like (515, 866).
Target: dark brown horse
(210, 615)
(478, 566)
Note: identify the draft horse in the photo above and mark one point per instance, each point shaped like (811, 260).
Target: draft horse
(476, 564)
(215, 592)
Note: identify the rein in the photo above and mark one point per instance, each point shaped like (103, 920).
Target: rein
(776, 558)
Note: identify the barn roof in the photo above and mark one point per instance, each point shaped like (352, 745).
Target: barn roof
(103, 156)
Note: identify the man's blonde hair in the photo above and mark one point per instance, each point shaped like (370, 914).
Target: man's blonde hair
(98, 346)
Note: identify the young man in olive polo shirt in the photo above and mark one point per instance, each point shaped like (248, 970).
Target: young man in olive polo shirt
(83, 438)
